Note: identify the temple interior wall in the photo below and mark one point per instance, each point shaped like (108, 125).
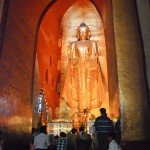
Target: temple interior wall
(130, 66)
(143, 14)
(16, 69)
(18, 54)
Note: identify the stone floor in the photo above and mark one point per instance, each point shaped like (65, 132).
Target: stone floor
(136, 145)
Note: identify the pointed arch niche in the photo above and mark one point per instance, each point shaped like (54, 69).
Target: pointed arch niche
(84, 11)
(58, 28)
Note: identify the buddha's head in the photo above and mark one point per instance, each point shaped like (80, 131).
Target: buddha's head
(83, 32)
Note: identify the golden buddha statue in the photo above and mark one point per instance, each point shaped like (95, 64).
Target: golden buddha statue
(81, 88)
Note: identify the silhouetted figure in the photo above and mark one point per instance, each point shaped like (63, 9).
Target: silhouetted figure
(52, 142)
(103, 126)
(94, 141)
(113, 145)
(81, 130)
(84, 142)
(72, 137)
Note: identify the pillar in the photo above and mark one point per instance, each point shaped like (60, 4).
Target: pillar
(134, 106)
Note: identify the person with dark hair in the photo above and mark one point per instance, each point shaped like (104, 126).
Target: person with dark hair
(81, 130)
(103, 126)
(84, 142)
(52, 142)
(72, 137)
(62, 142)
(41, 141)
(113, 145)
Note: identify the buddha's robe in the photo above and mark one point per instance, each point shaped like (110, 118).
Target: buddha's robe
(81, 88)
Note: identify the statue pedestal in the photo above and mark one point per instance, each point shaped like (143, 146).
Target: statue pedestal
(82, 119)
(57, 127)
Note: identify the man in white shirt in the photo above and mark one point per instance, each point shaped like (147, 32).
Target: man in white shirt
(113, 145)
(41, 141)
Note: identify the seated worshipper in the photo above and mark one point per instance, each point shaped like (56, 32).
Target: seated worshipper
(41, 141)
(62, 142)
(113, 145)
(83, 143)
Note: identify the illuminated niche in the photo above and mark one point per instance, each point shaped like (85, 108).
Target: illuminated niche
(83, 11)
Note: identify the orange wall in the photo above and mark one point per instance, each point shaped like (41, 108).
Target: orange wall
(16, 68)
(18, 58)
(48, 46)
(105, 9)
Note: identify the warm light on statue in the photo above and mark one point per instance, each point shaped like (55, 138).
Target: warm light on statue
(81, 89)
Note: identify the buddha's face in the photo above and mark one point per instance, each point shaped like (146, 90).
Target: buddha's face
(83, 33)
